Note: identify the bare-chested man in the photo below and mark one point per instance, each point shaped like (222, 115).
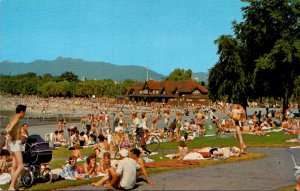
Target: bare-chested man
(14, 130)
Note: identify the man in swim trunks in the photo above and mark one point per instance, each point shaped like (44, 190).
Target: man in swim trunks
(14, 130)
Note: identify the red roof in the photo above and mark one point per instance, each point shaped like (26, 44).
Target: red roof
(186, 86)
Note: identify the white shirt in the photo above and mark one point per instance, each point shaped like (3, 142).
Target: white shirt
(127, 168)
(73, 139)
(136, 122)
(144, 123)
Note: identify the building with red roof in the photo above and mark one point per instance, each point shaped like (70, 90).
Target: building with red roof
(169, 92)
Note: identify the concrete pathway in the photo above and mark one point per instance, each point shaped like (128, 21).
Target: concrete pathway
(270, 173)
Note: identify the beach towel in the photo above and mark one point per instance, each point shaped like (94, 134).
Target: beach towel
(193, 156)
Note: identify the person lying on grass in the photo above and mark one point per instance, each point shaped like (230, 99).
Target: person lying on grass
(225, 152)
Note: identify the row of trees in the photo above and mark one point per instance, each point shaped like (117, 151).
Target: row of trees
(262, 59)
(66, 85)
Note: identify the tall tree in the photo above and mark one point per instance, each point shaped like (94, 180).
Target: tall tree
(227, 79)
(267, 45)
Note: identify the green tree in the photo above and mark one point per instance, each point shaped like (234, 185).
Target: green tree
(227, 79)
(62, 88)
(85, 88)
(180, 74)
(48, 89)
(69, 76)
(264, 43)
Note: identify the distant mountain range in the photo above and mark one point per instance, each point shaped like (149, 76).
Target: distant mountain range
(85, 69)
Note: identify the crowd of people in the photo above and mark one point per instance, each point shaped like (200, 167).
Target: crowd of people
(107, 132)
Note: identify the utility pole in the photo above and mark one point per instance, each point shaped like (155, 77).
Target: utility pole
(147, 74)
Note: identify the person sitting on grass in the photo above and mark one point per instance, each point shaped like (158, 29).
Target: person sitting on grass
(77, 152)
(104, 166)
(4, 153)
(69, 171)
(102, 147)
(90, 166)
(135, 154)
(125, 176)
(74, 140)
(83, 139)
(60, 138)
(182, 151)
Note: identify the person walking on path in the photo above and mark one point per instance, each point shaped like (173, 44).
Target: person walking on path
(238, 114)
(14, 130)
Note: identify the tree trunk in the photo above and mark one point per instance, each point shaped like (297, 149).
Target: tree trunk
(285, 102)
(245, 104)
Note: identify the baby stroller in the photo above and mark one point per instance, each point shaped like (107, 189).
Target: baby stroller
(36, 155)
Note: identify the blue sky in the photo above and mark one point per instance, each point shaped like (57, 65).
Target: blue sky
(159, 34)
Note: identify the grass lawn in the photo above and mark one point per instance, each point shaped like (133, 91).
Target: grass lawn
(275, 139)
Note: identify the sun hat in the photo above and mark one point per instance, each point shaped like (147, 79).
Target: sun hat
(124, 152)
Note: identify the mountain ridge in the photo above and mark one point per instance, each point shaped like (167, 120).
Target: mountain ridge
(85, 69)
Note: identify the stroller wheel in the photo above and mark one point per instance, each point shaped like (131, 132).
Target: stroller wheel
(27, 178)
(47, 175)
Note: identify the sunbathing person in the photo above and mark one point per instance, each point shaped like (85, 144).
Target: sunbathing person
(101, 147)
(135, 154)
(204, 151)
(125, 176)
(4, 153)
(258, 130)
(77, 152)
(74, 140)
(182, 151)
(90, 166)
(124, 141)
(225, 152)
(104, 166)
(69, 171)
(83, 139)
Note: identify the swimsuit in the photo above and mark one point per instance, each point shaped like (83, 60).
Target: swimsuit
(15, 146)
